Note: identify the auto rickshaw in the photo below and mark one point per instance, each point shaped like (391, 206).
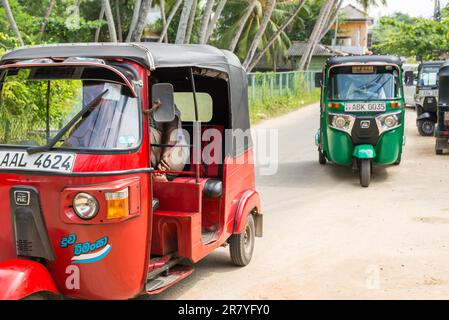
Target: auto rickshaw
(426, 97)
(442, 128)
(362, 113)
(82, 214)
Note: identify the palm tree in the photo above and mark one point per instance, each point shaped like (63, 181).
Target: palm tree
(273, 37)
(135, 17)
(191, 21)
(242, 24)
(205, 21)
(366, 4)
(110, 20)
(141, 21)
(171, 15)
(163, 18)
(12, 21)
(214, 20)
(46, 18)
(183, 21)
(258, 37)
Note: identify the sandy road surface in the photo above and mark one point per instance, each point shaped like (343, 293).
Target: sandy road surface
(327, 238)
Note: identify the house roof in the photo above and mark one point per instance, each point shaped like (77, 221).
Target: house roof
(299, 47)
(353, 14)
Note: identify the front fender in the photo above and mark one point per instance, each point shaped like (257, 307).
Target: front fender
(21, 278)
(365, 151)
(246, 204)
(425, 116)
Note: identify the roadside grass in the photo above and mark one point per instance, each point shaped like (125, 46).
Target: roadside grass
(276, 106)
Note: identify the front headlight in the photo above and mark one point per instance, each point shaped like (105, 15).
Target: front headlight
(85, 206)
(342, 122)
(389, 121)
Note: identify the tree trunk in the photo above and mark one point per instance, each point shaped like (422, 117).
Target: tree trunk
(132, 26)
(12, 21)
(97, 32)
(205, 21)
(321, 33)
(273, 38)
(142, 22)
(333, 20)
(169, 19)
(119, 20)
(46, 18)
(242, 24)
(191, 21)
(110, 20)
(213, 22)
(163, 17)
(315, 34)
(263, 26)
(183, 21)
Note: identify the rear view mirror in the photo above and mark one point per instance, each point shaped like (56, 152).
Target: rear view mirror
(409, 78)
(163, 92)
(318, 80)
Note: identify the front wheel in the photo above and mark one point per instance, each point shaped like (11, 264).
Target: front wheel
(321, 158)
(365, 172)
(439, 152)
(426, 128)
(241, 246)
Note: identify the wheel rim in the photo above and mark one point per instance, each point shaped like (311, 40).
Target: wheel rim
(427, 127)
(248, 240)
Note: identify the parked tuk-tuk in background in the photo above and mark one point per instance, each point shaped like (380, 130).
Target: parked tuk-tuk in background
(426, 97)
(442, 128)
(410, 86)
(82, 213)
(362, 113)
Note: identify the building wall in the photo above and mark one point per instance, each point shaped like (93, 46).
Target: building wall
(357, 31)
(316, 63)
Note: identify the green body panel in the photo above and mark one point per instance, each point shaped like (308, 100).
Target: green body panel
(338, 146)
(365, 151)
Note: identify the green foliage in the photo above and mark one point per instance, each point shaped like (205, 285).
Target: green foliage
(402, 35)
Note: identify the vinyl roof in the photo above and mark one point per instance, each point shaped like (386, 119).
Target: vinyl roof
(364, 59)
(150, 54)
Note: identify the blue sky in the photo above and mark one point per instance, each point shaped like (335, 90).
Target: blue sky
(423, 8)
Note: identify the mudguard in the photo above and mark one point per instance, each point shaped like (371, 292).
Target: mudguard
(21, 278)
(318, 138)
(425, 116)
(248, 202)
(365, 151)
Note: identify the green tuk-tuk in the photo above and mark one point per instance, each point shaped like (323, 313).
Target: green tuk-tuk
(362, 113)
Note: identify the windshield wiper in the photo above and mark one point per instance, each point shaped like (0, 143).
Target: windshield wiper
(63, 131)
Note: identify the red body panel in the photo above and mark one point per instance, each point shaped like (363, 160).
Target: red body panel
(21, 278)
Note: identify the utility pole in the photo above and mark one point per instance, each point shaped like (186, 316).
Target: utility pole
(437, 11)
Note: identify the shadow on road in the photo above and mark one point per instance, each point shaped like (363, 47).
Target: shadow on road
(310, 174)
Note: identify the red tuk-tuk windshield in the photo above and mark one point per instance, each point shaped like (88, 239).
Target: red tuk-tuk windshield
(365, 82)
(35, 106)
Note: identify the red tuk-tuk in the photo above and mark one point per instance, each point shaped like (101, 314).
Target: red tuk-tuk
(81, 213)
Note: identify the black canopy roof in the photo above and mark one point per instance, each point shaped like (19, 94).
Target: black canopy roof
(364, 59)
(432, 63)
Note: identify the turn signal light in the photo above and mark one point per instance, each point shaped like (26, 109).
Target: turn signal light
(117, 204)
(334, 106)
(395, 105)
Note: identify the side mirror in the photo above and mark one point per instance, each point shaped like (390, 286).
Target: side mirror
(164, 93)
(409, 78)
(318, 80)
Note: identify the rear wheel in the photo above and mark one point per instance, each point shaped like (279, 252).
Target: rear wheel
(439, 152)
(321, 158)
(365, 172)
(241, 245)
(426, 128)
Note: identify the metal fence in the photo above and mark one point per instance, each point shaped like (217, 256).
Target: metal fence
(266, 85)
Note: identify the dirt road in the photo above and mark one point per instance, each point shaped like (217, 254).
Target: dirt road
(327, 238)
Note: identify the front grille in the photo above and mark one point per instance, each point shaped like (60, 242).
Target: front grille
(362, 133)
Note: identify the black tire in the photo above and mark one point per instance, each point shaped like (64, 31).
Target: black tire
(439, 152)
(365, 173)
(241, 246)
(426, 128)
(321, 158)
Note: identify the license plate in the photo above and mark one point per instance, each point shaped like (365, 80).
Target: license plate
(50, 162)
(366, 107)
(428, 93)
